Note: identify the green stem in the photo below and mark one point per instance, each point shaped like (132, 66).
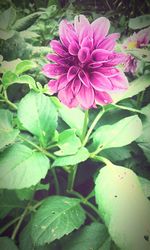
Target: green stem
(97, 118)
(127, 108)
(71, 178)
(10, 223)
(140, 99)
(5, 98)
(38, 148)
(19, 223)
(102, 159)
(85, 125)
(56, 182)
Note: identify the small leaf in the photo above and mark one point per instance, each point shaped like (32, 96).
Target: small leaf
(28, 80)
(7, 133)
(5, 35)
(135, 87)
(9, 78)
(7, 244)
(80, 156)
(9, 201)
(144, 140)
(118, 134)
(26, 167)
(38, 115)
(74, 117)
(25, 22)
(139, 22)
(24, 66)
(56, 217)
(88, 237)
(7, 18)
(68, 142)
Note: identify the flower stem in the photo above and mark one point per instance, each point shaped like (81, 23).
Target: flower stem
(3, 229)
(97, 118)
(19, 223)
(5, 98)
(56, 182)
(85, 125)
(71, 178)
(38, 148)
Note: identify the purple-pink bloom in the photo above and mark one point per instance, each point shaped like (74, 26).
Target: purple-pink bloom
(84, 63)
(137, 40)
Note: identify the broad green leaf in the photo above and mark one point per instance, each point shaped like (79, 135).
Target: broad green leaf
(118, 134)
(135, 87)
(139, 22)
(9, 66)
(88, 237)
(5, 35)
(9, 78)
(144, 140)
(123, 207)
(7, 18)
(74, 117)
(21, 167)
(27, 193)
(7, 244)
(24, 66)
(117, 154)
(25, 22)
(38, 115)
(68, 142)
(9, 201)
(57, 216)
(80, 156)
(145, 183)
(7, 133)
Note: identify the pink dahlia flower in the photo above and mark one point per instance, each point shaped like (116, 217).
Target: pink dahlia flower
(137, 40)
(84, 63)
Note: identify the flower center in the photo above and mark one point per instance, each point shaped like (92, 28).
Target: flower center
(132, 45)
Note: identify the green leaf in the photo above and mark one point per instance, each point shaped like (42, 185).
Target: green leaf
(118, 134)
(9, 78)
(38, 115)
(144, 140)
(139, 22)
(26, 167)
(7, 133)
(5, 35)
(68, 142)
(28, 80)
(9, 201)
(56, 217)
(123, 207)
(80, 156)
(145, 183)
(135, 87)
(7, 244)
(24, 66)
(74, 118)
(25, 22)
(7, 18)
(88, 237)
(117, 154)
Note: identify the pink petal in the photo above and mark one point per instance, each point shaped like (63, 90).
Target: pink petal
(52, 70)
(76, 85)
(119, 82)
(57, 59)
(84, 78)
(53, 86)
(62, 81)
(95, 65)
(87, 42)
(109, 42)
(100, 29)
(58, 48)
(72, 72)
(85, 97)
(84, 55)
(99, 81)
(102, 98)
(67, 97)
(101, 55)
(117, 58)
(108, 71)
(82, 27)
(73, 48)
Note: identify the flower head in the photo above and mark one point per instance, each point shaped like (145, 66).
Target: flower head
(84, 63)
(137, 40)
